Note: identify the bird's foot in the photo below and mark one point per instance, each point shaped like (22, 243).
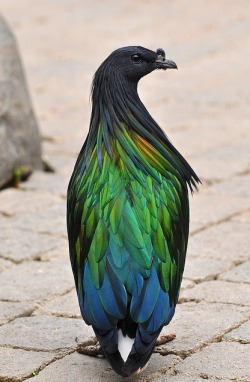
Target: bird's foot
(90, 347)
(162, 341)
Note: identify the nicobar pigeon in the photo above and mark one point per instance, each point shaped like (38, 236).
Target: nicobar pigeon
(128, 214)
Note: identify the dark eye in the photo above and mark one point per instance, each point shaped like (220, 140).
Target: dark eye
(136, 58)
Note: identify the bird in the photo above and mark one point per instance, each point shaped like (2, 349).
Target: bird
(128, 214)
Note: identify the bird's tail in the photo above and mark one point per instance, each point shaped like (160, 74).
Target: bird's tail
(141, 351)
(109, 344)
(139, 355)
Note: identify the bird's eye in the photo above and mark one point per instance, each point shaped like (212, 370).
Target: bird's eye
(136, 58)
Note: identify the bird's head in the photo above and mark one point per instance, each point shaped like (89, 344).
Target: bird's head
(133, 62)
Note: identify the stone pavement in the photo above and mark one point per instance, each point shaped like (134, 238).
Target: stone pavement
(204, 108)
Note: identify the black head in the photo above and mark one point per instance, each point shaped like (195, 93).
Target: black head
(134, 62)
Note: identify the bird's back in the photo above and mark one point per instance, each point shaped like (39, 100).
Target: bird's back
(128, 230)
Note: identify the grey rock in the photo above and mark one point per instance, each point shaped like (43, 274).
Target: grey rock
(44, 333)
(16, 364)
(221, 360)
(19, 136)
(219, 291)
(36, 280)
(196, 324)
(241, 334)
(12, 310)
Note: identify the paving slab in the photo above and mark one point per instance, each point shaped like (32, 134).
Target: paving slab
(65, 306)
(24, 245)
(237, 185)
(12, 310)
(241, 334)
(223, 162)
(241, 273)
(17, 364)
(214, 242)
(219, 291)
(44, 333)
(221, 360)
(50, 221)
(208, 208)
(200, 269)
(52, 182)
(185, 378)
(36, 280)
(16, 201)
(96, 369)
(196, 324)
(4, 264)
(243, 219)
(61, 252)
(61, 164)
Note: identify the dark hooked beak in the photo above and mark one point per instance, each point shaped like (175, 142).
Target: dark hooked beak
(163, 63)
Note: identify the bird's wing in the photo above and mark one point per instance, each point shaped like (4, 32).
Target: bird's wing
(128, 229)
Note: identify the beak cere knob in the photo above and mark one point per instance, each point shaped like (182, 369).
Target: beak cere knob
(162, 62)
(161, 52)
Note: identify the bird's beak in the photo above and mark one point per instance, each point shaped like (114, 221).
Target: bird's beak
(163, 63)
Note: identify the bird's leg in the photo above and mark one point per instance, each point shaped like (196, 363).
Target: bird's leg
(162, 341)
(90, 347)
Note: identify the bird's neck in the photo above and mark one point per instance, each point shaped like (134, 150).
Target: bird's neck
(117, 106)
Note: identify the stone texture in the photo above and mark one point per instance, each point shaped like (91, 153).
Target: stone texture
(51, 220)
(17, 201)
(199, 269)
(66, 306)
(207, 208)
(4, 264)
(198, 323)
(223, 360)
(16, 364)
(186, 378)
(237, 185)
(26, 245)
(19, 136)
(44, 333)
(223, 161)
(243, 219)
(97, 369)
(219, 291)
(238, 274)
(241, 334)
(228, 241)
(36, 280)
(53, 182)
(11, 310)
